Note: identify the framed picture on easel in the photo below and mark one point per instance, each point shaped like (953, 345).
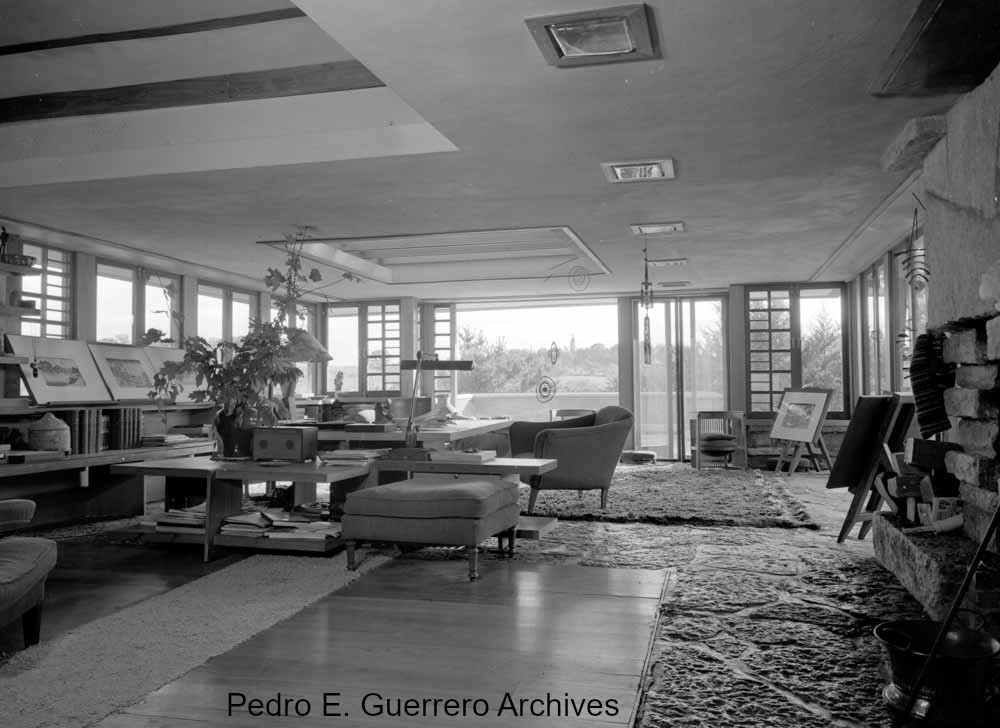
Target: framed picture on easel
(801, 414)
(798, 425)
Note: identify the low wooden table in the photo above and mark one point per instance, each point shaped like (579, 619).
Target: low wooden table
(224, 490)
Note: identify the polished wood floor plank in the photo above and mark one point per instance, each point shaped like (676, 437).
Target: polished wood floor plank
(558, 635)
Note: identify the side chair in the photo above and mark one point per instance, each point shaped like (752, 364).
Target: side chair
(587, 447)
(25, 563)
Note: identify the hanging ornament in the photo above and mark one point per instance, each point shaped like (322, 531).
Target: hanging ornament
(646, 299)
(647, 347)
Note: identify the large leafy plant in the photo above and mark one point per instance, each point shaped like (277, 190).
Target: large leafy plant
(249, 380)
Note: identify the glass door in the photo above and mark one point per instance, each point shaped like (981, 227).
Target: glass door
(686, 374)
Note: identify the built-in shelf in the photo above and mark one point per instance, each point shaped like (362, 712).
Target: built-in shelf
(197, 446)
(19, 270)
(6, 310)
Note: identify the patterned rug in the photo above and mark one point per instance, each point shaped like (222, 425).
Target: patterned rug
(677, 494)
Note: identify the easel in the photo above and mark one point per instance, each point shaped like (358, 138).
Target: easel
(892, 421)
(793, 448)
(792, 452)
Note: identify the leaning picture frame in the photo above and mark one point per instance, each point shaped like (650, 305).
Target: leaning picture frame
(126, 370)
(58, 371)
(800, 414)
(160, 355)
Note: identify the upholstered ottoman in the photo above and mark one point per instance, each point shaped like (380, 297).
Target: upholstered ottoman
(433, 510)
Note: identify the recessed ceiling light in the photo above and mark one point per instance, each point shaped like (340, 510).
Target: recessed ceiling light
(673, 284)
(657, 228)
(646, 170)
(667, 262)
(605, 35)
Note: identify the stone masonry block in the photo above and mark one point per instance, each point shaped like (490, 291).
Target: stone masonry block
(972, 403)
(978, 507)
(973, 469)
(993, 339)
(978, 438)
(983, 376)
(965, 347)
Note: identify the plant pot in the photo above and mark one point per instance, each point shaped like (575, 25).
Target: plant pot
(234, 441)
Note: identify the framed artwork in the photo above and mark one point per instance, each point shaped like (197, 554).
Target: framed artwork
(126, 370)
(801, 414)
(160, 355)
(59, 371)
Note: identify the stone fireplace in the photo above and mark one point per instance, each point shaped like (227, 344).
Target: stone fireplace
(961, 191)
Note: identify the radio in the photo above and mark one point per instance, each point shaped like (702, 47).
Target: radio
(284, 443)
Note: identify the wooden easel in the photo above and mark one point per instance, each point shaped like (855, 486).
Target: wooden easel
(878, 427)
(792, 452)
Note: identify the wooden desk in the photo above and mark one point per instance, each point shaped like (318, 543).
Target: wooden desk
(224, 485)
(434, 437)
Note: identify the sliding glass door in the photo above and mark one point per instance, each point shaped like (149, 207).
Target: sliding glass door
(686, 373)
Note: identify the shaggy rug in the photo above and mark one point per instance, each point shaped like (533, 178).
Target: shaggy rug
(88, 673)
(677, 494)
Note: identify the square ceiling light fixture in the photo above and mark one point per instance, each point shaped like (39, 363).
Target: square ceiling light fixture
(605, 35)
(647, 170)
(657, 228)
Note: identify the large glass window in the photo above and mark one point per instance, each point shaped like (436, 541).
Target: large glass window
(342, 370)
(382, 351)
(115, 303)
(529, 360)
(210, 315)
(795, 338)
(50, 289)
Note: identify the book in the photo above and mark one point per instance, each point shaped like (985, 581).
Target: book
(370, 427)
(370, 454)
(462, 456)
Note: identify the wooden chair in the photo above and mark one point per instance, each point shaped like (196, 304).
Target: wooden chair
(719, 439)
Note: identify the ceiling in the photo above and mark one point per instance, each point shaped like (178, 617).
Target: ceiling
(406, 133)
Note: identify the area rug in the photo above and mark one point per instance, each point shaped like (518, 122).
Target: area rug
(105, 665)
(678, 494)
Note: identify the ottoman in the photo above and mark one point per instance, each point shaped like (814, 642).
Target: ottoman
(433, 510)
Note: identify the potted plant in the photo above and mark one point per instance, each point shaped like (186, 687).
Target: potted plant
(252, 380)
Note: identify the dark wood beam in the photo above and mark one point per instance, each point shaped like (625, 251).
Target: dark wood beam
(198, 26)
(276, 82)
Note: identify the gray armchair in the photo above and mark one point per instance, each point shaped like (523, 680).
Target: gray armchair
(25, 563)
(587, 448)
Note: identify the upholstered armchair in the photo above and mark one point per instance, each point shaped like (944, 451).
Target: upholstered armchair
(25, 564)
(587, 448)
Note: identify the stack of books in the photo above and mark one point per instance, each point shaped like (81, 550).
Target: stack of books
(313, 531)
(463, 456)
(182, 520)
(160, 440)
(258, 524)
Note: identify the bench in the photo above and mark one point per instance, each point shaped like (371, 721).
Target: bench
(25, 564)
(435, 510)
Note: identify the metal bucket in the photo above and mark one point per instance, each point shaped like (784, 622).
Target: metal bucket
(956, 685)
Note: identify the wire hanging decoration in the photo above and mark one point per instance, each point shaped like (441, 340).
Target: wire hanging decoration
(646, 300)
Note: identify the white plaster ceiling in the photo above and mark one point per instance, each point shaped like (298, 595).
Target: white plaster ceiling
(762, 104)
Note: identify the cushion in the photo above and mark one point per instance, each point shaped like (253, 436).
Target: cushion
(711, 436)
(24, 562)
(433, 498)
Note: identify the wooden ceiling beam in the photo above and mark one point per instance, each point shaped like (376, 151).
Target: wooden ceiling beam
(247, 86)
(198, 26)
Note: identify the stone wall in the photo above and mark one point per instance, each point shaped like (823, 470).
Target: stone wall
(961, 179)
(973, 406)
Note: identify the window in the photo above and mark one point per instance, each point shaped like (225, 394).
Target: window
(876, 338)
(306, 319)
(437, 337)
(115, 303)
(51, 290)
(211, 317)
(159, 304)
(795, 338)
(908, 306)
(224, 314)
(342, 328)
(530, 359)
(382, 348)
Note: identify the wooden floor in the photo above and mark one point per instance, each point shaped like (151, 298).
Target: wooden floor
(419, 630)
